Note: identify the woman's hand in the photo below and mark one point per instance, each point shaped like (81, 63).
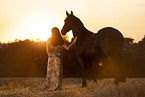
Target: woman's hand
(68, 47)
(75, 39)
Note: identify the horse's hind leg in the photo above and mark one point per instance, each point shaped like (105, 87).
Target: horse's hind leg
(119, 66)
(121, 71)
(112, 59)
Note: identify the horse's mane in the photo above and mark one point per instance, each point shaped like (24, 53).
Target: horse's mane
(78, 21)
(81, 25)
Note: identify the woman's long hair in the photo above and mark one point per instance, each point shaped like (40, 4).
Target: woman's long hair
(56, 38)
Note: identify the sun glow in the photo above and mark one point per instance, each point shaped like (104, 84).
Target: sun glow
(70, 36)
(36, 26)
(39, 30)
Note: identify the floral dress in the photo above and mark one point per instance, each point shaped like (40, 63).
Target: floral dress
(54, 67)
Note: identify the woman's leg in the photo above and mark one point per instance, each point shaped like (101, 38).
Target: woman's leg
(60, 74)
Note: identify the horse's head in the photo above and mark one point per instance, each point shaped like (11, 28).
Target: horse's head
(70, 23)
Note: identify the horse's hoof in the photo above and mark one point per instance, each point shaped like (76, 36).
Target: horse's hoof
(84, 85)
(123, 80)
(95, 80)
(116, 83)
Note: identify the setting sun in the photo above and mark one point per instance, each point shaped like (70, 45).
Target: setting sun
(39, 30)
(36, 26)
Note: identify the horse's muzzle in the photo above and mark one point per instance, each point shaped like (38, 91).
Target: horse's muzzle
(62, 32)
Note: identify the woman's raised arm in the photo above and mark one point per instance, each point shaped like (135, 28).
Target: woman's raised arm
(68, 47)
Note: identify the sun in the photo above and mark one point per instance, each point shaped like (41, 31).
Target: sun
(36, 26)
(40, 29)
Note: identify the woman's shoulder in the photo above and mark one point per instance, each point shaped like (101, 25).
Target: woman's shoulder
(48, 41)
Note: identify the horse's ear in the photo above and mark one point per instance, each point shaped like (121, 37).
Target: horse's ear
(71, 12)
(67, 13)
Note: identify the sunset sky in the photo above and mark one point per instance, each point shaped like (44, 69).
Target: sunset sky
(32, 19)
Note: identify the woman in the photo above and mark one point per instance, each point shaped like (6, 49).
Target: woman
(54, 66)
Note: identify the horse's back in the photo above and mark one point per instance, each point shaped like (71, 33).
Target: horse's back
(110, 39)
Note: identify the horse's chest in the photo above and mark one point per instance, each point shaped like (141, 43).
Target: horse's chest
(91, 47)
(86, 49)
(91, 51)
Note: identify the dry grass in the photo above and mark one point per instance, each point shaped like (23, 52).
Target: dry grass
(30, 87)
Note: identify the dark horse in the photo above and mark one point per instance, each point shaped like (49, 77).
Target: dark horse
(108, 41)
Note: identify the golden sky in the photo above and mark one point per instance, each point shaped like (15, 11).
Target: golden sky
(32, 19)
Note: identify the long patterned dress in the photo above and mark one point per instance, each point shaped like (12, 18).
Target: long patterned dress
(54, 74)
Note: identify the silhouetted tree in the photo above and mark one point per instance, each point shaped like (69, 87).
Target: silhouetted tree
(29, 59)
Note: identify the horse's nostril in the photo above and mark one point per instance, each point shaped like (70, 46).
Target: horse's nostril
(62, 33)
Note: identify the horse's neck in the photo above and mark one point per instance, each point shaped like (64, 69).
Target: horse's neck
(81, 32)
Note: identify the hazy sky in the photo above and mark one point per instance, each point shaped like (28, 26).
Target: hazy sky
(23, 19)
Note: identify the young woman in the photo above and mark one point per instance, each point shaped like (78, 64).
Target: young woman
(54, 46)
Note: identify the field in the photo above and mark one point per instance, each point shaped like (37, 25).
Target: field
(30, 87)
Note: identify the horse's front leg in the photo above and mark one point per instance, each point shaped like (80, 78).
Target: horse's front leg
(93, 69)
(84, 84)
